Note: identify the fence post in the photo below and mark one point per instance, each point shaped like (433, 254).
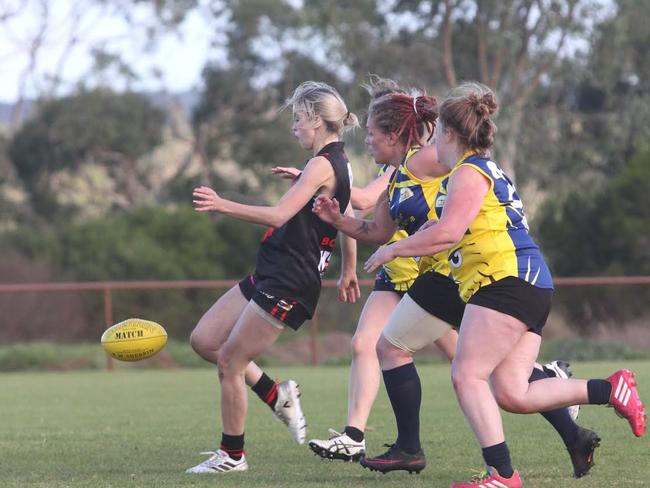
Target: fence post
(313, 339)
(108, 320)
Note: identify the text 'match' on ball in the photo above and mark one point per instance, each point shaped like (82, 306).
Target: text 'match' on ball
(134, 339)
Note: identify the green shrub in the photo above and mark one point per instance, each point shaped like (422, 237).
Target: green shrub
(581, 349)
(49, 356)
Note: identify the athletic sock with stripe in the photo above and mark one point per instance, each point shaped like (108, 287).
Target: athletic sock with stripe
(233, 445)
(267, 390)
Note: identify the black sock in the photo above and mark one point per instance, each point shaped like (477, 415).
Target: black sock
(599, 391)
(353, 433)
(267, 390)
(405, 394)
(233, 445)
(498, 456)
(559, 418)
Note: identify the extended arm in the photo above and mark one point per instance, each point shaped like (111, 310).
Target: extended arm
(467, 188)
(366, 198)
(379, 230)
(315, 175)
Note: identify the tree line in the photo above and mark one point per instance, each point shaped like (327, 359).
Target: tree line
(96, 183)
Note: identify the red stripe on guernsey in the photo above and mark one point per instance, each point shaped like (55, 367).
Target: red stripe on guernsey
(274, 310)
(272, 395)
(268, 233)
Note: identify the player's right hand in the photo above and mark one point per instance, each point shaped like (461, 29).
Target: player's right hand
(327, 209)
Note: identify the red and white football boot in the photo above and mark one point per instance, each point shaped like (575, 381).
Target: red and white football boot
(625, 399)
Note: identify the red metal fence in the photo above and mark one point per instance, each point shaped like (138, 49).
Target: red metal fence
(107, 287)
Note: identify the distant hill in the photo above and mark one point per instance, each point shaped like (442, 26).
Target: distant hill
(187, 101)
(6, 110)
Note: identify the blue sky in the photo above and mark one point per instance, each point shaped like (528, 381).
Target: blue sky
(178, 57)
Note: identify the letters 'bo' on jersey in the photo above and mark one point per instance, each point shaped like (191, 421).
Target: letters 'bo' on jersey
(497, 243)
(292, 258)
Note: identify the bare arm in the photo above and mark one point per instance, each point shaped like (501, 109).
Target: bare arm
(348, 284)
(286, 172)
(467, 188)
(379, 230)
(424, 164)
(316, 174)
(366, 198)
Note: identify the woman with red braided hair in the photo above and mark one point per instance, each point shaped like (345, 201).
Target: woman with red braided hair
(399, 126)
(506, 284)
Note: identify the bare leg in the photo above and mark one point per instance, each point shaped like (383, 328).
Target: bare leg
(447, 344)
(251, 336)
(515, 394)
(214, 327)
(497, 346)
(364, 370)
(486, 337)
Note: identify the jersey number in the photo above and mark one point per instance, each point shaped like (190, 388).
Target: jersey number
(325, 257)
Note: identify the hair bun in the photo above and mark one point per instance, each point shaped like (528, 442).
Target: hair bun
(489, 103)
(427, 107)
(484, 105)
(350, 119)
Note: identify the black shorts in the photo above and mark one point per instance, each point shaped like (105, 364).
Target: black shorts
(517, 298)
(438, 295)
(285, 309)
(383, 285)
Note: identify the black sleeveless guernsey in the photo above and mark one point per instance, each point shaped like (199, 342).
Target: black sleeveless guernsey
(292, 259)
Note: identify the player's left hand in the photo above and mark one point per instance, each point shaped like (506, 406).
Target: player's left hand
(205, 199)
(348, 287)
(380, 256)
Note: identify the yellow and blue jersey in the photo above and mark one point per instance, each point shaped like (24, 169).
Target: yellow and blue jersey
(400, 273)
(412, 202)
(497, 243)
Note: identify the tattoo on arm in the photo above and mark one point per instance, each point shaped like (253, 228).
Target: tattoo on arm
(364, 228)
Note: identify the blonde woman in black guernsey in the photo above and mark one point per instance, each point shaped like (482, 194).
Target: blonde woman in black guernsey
(285, 286)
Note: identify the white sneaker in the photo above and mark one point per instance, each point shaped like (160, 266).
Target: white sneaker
(562, 370)
(287, 410)
(219, 462)
(339, 446)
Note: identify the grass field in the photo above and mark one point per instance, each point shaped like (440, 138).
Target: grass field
(143, 428)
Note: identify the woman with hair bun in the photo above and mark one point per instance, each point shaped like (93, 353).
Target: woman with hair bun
(506, 284)
(412, 305)
(285, 287)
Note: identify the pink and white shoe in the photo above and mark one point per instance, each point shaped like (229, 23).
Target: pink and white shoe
(492, 479)
(625, 399)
